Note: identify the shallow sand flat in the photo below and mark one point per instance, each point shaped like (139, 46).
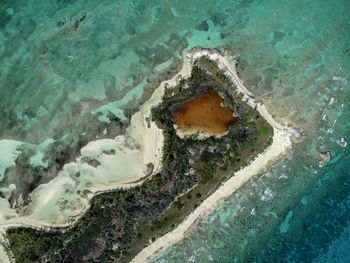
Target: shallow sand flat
(150, 140)
(280, 146)
(132, 152)
(121, 161)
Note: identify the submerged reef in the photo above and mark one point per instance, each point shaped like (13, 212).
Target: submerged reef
(120, 223)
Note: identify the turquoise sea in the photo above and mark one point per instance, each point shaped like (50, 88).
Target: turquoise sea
(61, 61)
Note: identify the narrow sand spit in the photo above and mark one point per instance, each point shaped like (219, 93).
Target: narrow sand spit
(141, 132)
(280, 146)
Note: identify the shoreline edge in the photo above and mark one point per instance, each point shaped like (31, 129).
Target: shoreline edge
(281, 145)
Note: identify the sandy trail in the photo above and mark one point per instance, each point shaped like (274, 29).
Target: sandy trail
(280, 146)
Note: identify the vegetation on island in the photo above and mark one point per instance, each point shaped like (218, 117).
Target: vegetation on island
(120, 223)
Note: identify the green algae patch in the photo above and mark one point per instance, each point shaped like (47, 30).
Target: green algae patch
(120, 223)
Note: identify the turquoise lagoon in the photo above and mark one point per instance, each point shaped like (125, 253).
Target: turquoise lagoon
(69, 68)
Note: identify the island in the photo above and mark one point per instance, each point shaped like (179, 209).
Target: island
(216, 137)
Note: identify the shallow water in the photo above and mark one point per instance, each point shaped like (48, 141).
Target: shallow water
(64, 75)
(298, 211)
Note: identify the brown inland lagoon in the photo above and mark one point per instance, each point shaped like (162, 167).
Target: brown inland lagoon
(204, 114)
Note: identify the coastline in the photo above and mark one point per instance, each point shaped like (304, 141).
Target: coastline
(281, 145)
(151, 153)
(153, 136)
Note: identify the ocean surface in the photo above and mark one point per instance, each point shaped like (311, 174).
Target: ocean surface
(67, 67)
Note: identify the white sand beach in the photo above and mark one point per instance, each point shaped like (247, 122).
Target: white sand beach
(280, 146)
